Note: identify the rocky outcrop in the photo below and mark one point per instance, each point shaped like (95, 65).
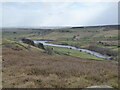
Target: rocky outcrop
(28, 41)
(101, 87)
(40, 45)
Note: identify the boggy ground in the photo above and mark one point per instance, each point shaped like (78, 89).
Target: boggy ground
(34, 69)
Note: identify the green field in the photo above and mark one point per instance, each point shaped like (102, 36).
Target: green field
(76, 53)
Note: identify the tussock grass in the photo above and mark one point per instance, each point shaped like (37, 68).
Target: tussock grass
(28, 69)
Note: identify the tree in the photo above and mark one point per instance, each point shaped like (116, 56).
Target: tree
(40, 45)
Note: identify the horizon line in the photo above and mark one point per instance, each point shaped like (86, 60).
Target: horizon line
(63, 26)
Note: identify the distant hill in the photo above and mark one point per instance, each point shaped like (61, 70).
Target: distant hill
(50, 28)
(106, 26)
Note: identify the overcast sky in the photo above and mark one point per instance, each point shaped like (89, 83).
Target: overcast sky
(37, 14)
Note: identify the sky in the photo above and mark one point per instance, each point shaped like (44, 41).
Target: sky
(38, 14)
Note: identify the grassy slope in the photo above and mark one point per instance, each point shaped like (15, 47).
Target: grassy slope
(28, 68)
(82, 55)
(93, 33)
(15, 44)
(76, 53)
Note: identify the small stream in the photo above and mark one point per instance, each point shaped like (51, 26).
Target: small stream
(72, 47)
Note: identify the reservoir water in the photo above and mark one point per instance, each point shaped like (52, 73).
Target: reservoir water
(72, 47)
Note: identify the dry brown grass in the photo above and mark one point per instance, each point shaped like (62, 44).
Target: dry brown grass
(39, 70)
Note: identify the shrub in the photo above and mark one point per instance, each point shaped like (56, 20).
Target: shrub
(40, 45)
(49, 51)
